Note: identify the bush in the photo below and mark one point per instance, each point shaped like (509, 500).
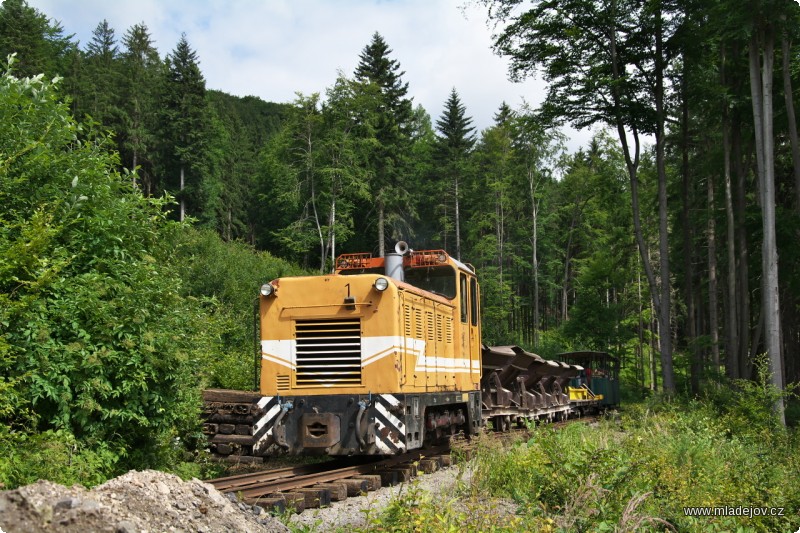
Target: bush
(99, 347)
(57, 456)
(225, 276)
(749, 406)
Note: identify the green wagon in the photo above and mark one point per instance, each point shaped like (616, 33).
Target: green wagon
(600, 374)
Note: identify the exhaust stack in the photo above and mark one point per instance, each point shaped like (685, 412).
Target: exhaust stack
(393, 262)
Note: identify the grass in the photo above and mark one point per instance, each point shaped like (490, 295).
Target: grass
(636, 472)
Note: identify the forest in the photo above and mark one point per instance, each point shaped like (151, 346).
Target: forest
(141, 209)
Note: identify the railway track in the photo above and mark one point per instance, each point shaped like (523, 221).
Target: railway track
(241, 481)
(317, 485)
(312, 486)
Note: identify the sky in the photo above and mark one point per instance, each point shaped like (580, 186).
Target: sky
(275, 48)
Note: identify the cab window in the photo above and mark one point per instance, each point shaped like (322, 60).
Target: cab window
(464, 302)
(473, 300)
(439, 280)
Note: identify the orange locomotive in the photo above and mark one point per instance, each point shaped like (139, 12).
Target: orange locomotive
(380, 357)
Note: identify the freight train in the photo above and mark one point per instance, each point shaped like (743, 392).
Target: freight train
(384, 356)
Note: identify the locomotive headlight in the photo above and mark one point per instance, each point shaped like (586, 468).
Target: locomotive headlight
(381, 284)
(267, 289)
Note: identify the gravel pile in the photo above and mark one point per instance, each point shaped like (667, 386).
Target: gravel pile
(133, 503)
(150, 502)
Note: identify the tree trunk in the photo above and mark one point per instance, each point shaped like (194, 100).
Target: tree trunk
(133, 173)
(742, 304)
(535, 257)
(790, 116)
(688, 238)
(500, 233)
(641, 323)
(381, 234)
(458, 223)
(577, 213)
(761, 88)
(663, 229)
(713, 306)
(733, 350)
(632, 164)
(565, 281)
(654, 335)
(183, 200)
(333, 232)
(323, 253)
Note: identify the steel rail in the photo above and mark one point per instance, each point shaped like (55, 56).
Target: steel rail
(224, 484)
(251, 486)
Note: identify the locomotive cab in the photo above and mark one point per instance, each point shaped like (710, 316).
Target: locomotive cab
(380, 357)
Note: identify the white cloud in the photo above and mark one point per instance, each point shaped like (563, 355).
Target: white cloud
(272, 49)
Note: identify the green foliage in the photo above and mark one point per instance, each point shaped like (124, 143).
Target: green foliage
(552, 343)
(749, 405)
(136, 133)
(100, 66)
(186, 133)
(384, 94)
(414, 509)
(224, 279)
(98, 343)
(639, 473)
(453, 146)
(316, 168)
(56, 456)
(104, 304)
(633, 473)
(39, 43)
(243, 127)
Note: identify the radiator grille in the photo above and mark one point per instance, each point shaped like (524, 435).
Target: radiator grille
(328, 352)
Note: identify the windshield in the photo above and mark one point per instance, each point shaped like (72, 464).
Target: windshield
(439, 280)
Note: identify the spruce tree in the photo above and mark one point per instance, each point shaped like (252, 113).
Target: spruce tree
(101, 76)
(454, 144)
(40, 45)
(429, 230)
(139, 81)
(185, 127)
(393, 134)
